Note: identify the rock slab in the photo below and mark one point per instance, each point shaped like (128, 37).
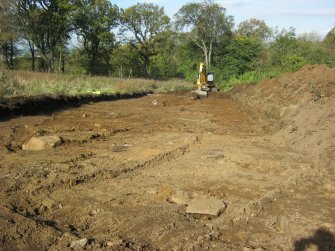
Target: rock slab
(79, 243)
(179, 197)
(206, 206)
(42, 143)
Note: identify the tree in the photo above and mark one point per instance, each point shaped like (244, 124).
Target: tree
(312, 36)
(126, 62)
(329, 40)
(239, 56)
(145, 21)
(255, 29)
(329, 45)
(46, 23)
(8, 32)
(93, 22)
(206, 23)
(165, 62)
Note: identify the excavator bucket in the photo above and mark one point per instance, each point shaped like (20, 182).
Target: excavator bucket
(200, 94)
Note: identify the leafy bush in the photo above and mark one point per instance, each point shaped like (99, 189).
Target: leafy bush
(250, 77)
(294, 62)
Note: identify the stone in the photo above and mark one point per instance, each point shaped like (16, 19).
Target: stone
(179, 197)
(93, 212)
(312, 247)
(206, 206)
(48, 204)
(79, 243)
(42, 143)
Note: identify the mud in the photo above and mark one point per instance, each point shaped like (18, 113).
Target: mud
(109, 184)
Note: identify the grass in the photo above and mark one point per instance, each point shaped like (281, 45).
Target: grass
(251, 77)
(25, 83)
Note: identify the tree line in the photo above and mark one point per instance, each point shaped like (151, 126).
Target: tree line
(96, 37)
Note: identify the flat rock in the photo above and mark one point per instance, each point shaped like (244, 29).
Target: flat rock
(79, 243)
(42, 143)
(179, 197)
(206, 206)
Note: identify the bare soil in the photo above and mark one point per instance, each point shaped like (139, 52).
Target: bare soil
(266, 151)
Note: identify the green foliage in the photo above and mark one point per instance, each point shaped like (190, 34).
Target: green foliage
(238, 57)
(291, 53)
(47, 24)
(146, 45)
(8, 33)
(293, 62)
(164, 63)
(250, 77)
(146, 22)
(329, 47)
(255, 29)
(188, 57)
(125, 62)
(93, 21)
(206, 23)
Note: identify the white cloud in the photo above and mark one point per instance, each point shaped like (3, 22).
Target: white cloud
(152, 1)
(319, 12)
(233, 3)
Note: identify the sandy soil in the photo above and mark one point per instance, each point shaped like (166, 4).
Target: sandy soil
(266, 151)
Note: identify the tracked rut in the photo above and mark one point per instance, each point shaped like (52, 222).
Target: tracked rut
(120, 162)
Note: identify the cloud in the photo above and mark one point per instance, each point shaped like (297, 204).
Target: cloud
(318, 12)
(152, 1)
(233, 3)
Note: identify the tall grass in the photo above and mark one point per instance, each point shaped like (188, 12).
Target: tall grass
(24, 83)
(250, 77)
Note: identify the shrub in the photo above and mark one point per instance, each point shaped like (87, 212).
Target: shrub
(250, 77)
(294, 62)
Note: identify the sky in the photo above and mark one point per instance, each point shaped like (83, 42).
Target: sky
(303, 15)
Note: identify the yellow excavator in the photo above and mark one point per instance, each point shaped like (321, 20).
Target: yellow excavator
(205, 82)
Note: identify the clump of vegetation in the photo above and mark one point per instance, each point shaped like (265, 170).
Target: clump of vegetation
(148, 45)
(30, 84)
(8, 85)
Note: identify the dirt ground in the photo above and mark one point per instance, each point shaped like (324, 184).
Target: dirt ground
(266, 151)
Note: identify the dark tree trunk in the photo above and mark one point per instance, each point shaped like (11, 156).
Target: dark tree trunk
(146, 65)
(32, 52)
(5, 54)
(63, 65)
(11, 57)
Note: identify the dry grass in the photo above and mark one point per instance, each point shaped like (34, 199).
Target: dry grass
(22, 83)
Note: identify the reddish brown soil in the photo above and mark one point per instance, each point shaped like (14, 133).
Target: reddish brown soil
(267, 151)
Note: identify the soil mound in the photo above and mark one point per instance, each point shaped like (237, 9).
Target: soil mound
(311, 83)
(298, 108)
